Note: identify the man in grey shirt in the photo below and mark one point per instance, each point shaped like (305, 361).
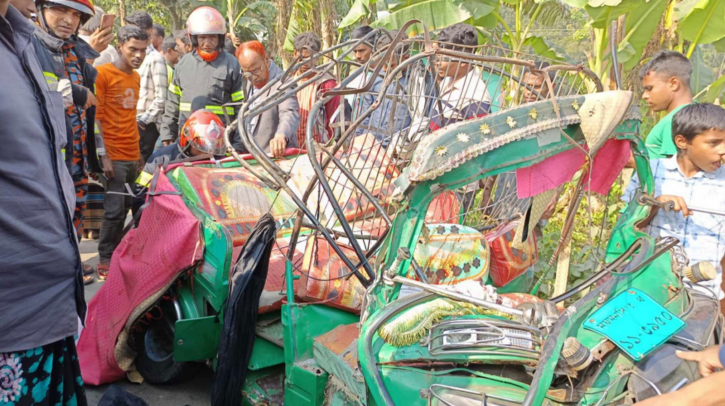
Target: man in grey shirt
(40, 266)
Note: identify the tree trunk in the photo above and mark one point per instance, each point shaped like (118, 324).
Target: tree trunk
(121, 5)
(329, 17)
(177, 22)
(284, 13)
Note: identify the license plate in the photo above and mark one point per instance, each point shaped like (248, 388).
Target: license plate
(635, 323)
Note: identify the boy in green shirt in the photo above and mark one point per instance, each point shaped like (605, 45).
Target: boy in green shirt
(666, 82)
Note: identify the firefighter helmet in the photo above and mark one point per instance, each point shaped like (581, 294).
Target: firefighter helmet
(84, 6)
(204, 131)
(206, 20)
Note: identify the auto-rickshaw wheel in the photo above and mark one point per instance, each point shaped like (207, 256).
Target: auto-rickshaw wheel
(155, 360)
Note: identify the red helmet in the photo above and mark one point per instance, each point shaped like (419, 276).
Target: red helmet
(204, 131)
(84, 6)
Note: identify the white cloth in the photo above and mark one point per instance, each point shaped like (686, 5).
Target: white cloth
(108, 55)
(469, 89)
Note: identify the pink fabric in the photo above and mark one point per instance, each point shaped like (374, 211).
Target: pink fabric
(560, 168)
(608, 164)
(142, 265)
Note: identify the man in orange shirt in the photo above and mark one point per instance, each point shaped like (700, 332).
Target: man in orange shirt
(117, 90)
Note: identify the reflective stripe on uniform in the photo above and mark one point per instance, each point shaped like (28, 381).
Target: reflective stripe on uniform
(185, 107)
(144, 178)
(175, 89)
(169, 73)
(237, 96)
(50, 77)
(219, 109)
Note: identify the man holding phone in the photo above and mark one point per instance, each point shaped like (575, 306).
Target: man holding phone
(98, 33)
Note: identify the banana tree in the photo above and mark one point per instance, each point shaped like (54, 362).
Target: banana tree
(527, 13)
(435, 14)
(701, 22)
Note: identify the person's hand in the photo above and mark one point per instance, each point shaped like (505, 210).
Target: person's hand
(107, 167)
(680, 204)
(708, 360)
(91, 100)
(166, 143)
(278, 145)
(141, 164)
(100, 39)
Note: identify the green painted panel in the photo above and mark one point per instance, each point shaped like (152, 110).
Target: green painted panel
(310, 321)
(196, 339)
(265, 354)
(305, 385)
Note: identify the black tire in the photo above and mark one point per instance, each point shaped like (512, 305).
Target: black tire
(155, 362)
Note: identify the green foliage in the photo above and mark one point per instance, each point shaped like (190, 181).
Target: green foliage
(704, 24)
(702, 76)
(592, 228)
(437, 14)
(547, 49)
(359, 10)
(641, 23)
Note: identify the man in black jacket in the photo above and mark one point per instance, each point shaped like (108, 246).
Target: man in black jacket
(62, 57)
(40, 263)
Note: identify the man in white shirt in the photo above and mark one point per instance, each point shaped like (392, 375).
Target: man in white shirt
(463, 92)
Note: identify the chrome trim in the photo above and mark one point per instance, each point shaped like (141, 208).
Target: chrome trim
(492, 337)
(436, 393)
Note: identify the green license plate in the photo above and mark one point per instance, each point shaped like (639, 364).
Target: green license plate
(635, 323)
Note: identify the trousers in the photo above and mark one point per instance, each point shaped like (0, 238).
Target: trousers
(116, 207)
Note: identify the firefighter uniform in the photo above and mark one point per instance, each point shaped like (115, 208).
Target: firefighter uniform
(198, 84)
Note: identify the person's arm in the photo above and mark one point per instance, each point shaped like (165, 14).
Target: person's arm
(366, 100)
(170, 121)
(289, 120)
(704, 392)
(156, 109)
(237, 94)
(653, 142)
(331, 106)
(99, 41)
(98, 131)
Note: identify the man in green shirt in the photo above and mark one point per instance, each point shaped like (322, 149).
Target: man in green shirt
(666, 82)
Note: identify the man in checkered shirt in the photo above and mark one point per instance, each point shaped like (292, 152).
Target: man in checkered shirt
(693, 178)
(154, 85)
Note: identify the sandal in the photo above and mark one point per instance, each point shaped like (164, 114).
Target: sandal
(88, 269)
(102, 269)
(88, 279)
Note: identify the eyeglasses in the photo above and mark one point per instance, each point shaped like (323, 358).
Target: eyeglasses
(256, 72)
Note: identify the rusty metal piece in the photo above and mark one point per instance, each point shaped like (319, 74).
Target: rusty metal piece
(602, 349)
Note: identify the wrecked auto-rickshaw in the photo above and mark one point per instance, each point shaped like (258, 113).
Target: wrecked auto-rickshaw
(400, 271)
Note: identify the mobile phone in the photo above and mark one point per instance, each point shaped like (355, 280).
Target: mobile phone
(107, 21)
